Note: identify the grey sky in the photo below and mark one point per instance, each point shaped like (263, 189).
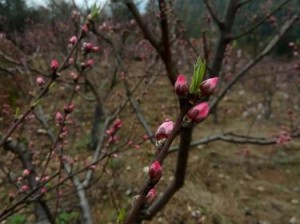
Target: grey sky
(79, 2)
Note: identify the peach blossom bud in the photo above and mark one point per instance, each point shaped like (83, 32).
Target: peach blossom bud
(43, 190)
(155, 171)
(59, 117)
(199, 112)
(68, 109)
(45, 179)
(74, 76)
(181, 85)
(88, 64)
(24, 188)
(84, 29)
(26, 172)
(151, 196)
(164, 130)
(208, 86)
(118, 123)
(40, 81)
(71, 61)
(37, 179)
(54, 65)
(77, 88)
(95, 49)
(87, 47)
(73, 40)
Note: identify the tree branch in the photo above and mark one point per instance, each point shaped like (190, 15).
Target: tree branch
(254, 27)
(217, 20)
(288, 24)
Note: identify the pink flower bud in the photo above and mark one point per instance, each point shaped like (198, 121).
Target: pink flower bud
(54, 65)
(208, 86)
(87, 47)
(88, 64)
(95, 49)
(151, 196)
(43, 190)
(40, 81)
(59, 117)
(73, 40)
(68, 109)
(118, 123)
(84, 29)
(24, 188)
(199, 112)
(181, 85)
(164, 130)
(71, 61)
(74, 76)
(155, 171)
(26, 172)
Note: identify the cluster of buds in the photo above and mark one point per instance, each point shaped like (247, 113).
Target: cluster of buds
(283, 137)
(88, 64)
(89, 47)
(206, 88)
(69, 108)
(113, 130)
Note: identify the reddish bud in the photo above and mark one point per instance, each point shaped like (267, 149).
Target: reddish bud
(151, 196)
(84, 29)
(164, 130)
(73, 40)
(181, 85)
(87, 47)
(43, 190)
(155, 171)
(199, 112)
(88, 64)
(26, 172)
(58, 117)
(54, 65)
(95, 49)
(68, 109)
(40, 81)
(208, 86)
(118, 123)
(24, 188)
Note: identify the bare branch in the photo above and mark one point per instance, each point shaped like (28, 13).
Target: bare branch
(217, 20)
(288, 24)
(254, 27)
(137, 16)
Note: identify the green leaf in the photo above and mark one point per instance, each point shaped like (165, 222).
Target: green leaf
(121, 216)
(95, 10)
(198, 75)
(17, 114)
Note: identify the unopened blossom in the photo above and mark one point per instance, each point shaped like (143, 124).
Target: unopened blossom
(69, 108)
(54, 65)
(88, 64)
(199, 112)
(26, 172)
(59, 117)
(181, 85)
(155, 171)
(151, 196)
(208, 86)
(24, 188)
(73, 40)
(164, 130)
(40, 81)
(84, 29)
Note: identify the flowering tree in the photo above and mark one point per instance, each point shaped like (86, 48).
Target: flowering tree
(42, 138)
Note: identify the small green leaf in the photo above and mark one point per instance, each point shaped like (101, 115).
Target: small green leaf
(198, 75)
(95, 10)
(121, 216)
(17, 114)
